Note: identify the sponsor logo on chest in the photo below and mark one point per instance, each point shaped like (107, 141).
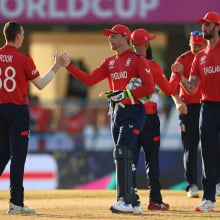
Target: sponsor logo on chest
(119, 74)
(211, 69)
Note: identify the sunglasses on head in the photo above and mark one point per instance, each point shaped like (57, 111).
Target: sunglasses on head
(193, 33)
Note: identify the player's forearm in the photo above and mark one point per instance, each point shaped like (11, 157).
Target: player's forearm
(176, 99)
(88, 79)
(189, 86)
(168, 87)
(42, 81)
(180, 105)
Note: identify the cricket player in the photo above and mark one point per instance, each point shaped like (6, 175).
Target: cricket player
(205, 70)
(149, 137)
(128, 114)
(189, 110)
(16, 71)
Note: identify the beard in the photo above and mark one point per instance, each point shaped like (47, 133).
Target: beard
(210, 35)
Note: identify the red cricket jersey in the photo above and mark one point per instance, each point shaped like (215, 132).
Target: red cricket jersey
(186, 60)
(206, 66)
(16, 69)
(119, 70)
(160, 79)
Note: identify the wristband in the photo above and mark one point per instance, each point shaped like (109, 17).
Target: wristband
(129, 93)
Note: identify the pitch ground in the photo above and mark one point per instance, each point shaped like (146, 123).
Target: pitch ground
(94, 204)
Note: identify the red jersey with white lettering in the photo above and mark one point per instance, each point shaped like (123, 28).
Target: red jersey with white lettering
(162, 82)
(186, 60)
(16, 69)
(119, 70)
(206, 66)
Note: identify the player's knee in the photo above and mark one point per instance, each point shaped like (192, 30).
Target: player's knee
(121, 152)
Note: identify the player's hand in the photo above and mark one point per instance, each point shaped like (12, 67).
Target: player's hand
(182, 108)
(66, 59)
(62, 59)
(177, 68)
(134, 83)
(118, 96)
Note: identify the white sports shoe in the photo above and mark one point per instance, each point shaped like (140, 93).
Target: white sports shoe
(206, 206)
(193, 191)
(137, 209)
(121, 207)
(14, 209)
(217, 193)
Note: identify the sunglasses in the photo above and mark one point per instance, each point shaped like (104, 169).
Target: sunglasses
(193, 33)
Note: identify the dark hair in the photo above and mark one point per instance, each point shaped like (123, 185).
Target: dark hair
(149, 53)
(216, 24)
(11, 29)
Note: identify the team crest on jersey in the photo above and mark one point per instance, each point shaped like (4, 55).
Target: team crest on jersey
(203, 60)
(128, 62)
(111, 64)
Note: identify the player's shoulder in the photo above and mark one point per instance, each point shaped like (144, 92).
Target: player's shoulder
(186, 54)
(185, 57)
(155, 67)
(109, 59)
(153, 63)
(22, 54)
(137, 57)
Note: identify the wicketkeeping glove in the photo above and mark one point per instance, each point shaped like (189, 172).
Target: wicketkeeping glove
(135, 83)
(118, 96)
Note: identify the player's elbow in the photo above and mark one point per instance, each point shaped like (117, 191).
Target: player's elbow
(168, 92)
(40, 87)
(89, 83)
(151, 90)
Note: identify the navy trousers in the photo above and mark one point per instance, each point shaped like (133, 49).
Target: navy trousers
(14, 135)
(210, 130)
(149, 139)
(189, 126)
(126, 124)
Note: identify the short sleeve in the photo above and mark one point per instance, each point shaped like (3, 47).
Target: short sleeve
(30, 68)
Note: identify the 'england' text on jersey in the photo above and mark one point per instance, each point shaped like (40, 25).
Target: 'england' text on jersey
(119, 75)
(6, 58)
(211, 69)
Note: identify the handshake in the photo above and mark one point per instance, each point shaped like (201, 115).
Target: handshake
(177, 68)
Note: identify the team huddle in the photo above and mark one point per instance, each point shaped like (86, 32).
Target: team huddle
(135, 81)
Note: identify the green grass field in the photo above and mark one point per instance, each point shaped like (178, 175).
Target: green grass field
(94, 204)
